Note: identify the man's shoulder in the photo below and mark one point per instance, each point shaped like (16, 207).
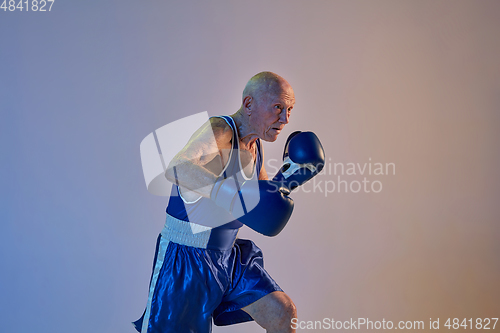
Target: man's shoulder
(221, 129)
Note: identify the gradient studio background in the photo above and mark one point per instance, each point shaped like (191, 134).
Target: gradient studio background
(414, 83)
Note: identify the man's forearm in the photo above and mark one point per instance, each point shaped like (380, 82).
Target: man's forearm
(192, 177)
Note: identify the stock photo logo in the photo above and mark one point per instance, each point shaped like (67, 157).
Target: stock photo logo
(340, 177)
(161, 146)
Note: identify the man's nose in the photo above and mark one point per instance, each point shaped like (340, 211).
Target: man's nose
(284, 117)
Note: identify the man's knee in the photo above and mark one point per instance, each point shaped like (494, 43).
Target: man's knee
(285, 311)
(274, 312)
(288, 309)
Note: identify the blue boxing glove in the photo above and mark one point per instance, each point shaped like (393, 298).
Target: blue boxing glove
(262, 205)
(303, 158)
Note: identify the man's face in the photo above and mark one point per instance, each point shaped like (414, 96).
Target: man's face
(272, 113)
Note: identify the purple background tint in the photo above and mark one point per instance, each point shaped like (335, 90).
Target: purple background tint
(415, 83)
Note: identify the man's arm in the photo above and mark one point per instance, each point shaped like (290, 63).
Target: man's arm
(263, 172)
(197, 165)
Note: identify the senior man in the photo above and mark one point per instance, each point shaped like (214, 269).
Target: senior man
(202, 271)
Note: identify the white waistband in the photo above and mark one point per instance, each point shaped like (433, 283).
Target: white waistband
(186, 233)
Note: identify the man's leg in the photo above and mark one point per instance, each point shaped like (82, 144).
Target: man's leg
(274, 312)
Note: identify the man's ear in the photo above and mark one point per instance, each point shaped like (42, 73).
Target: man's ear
(247, 104)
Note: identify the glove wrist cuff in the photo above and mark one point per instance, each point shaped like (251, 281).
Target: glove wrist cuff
(224, 191)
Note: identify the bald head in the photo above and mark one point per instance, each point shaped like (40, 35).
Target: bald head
(268, 100)
(264, 85)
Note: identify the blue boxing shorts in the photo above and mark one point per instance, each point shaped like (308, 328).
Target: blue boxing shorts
(200, 274)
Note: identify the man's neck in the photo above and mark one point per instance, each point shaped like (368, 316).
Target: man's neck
(245, 133)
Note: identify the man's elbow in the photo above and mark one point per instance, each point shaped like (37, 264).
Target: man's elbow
(170, 175)
(177, 169)
(263, 175)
